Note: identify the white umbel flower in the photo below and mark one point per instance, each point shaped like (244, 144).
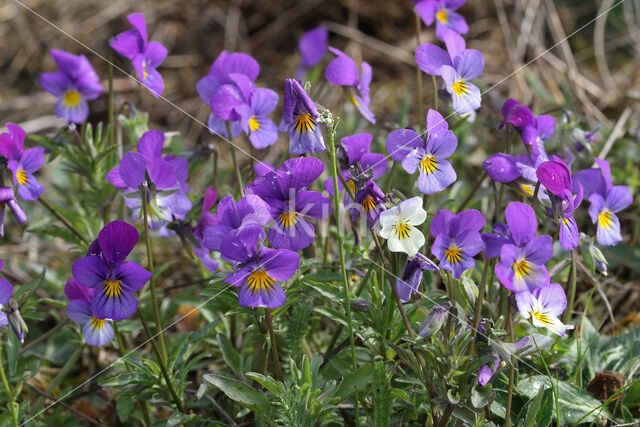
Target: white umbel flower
(398, 226)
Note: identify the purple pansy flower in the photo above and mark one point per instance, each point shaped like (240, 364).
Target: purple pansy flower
(74, 84)
(258, 269)
(285, 191)
(254, 117)
(412, 276)
(501, 168)
(343, 71)
(22, 163)
(144, 55)
(543, 307)
(251, 209)
(457, 67)
(299, 118)
(7, 199)
(406, 146)
(96, 331)
(312, 47)
(533, 130)
(522, 255)
(369, 202)
(105, 269)
(457, 239)
(11, 142)
(207, 219)
(444, 13)
(606, 200)
(6, 292)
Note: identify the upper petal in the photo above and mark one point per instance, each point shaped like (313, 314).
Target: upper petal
(117, 239)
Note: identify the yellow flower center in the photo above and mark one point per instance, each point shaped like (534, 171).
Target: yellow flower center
(112, 288)
(527, 189)
(145, 73)
(352, 186)
(289, 219)
(428, 164)
(566, 222)
(368, 203)
(541, 317)
(401, 229)
(460, 87)
(522, 267)
(97, 323)
(453, 254)
(605, 218)
(254, 124)
(442, 16)
(259, 280)
(71, 98)
(304, 123)
(21, 176)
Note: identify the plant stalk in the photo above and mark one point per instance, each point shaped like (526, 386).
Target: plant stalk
(236, 166)
(274, 347)
(11, 404)
(62, 219)
(572, 289)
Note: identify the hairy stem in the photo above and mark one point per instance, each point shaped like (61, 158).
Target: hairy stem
(62, 219)
(512, 369)
(274, 347)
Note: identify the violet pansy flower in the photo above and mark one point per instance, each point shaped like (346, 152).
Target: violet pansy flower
(299, 119)
(96, 331)
(22, 163)
(207, 219)
(343, 71)
(145, 56)
(258, 269)
(290, 203)
(74, 84)
(457, 239)
(543, 307)
(7, 199)
(522, 255)
(254, 117)
(457, 66)
(114, 279)
(533, 130)
(429, 155)
(445, 15)
(412, 276)
(6, 292)
(398, 226)
(312, 47)
(369, 202)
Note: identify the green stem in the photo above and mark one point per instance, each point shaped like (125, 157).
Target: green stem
(447, 329)
(62, 219)
(152, 281)
(512, 369)
(435, 92)
(11, 405)
(274, 347)
(236, 166)
(572, 288)
(473, 192)
(421, 116)
(70, 364)
(163, 367)
(477, 315)
(390, 177)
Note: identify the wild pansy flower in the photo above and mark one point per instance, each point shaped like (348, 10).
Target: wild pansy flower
(22, 163)
(445, 15)
(533, 130)
(312, 47)
(299, 118)
(412, 276)
(606, 200)
(285, 191)
(369, 202)
(399, 226)
(145, 56)
(166, 196)
(501, 168)
(522, 255)
(96, 331)
(221, 73)
(457, 239)
(207, 219)
(343, 71)
(356, 149)
(251, 209)
(457, 67)
(74, 84)
(254, 117)
(429, 155)
(543, 307)
(6, 292)
(487, 373)
(105, 269)
(7, 199)
(258, 269)
(555, 176)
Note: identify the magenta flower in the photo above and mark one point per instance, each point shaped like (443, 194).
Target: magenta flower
(543, 307)
(457, 67)
(312, 47)
(6, 292)
(457, 239)
(207, 219)
(290, 203)
(343, 71)
(114, 279)
(74, 84)
(96, 331)
(444, 13)
(299, 118)
(522, 255)
(258, 269)
(501, 168)
(429, 156)
(144, 55)
(533, 130)
(412, 276)
(22, 163)
(254, 118)
(7, 199)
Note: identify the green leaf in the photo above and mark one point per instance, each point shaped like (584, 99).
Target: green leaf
(29, 286)
(229, 354)
(13, 347)
(382, 396)
(481, 396)
(357, 379)
(538, 412)
(240, 392)
(124, 406)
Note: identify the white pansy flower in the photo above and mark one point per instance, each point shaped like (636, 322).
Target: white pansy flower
(398, 226)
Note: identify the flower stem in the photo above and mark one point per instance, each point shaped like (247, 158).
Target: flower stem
(419, 72)
(161, 363)
(236, 167)
(512, 370)
(435, 92)
(11, 404)
(477, 315)
(572, 289)
(274, 347)
(62, 219)
(447, 329)
(473, 192)
(152, 281)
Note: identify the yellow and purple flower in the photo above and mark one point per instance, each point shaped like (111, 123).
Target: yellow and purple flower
(443, 12)
(343, 71)
(96, 331)
(7, 199)
(457, 239)
(543, 307)
(412, 276)
(398, 226)
(533, 130)
(22, 163)
(299, 119)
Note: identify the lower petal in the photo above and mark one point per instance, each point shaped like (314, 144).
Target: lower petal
(273, 297)
(115, 308)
